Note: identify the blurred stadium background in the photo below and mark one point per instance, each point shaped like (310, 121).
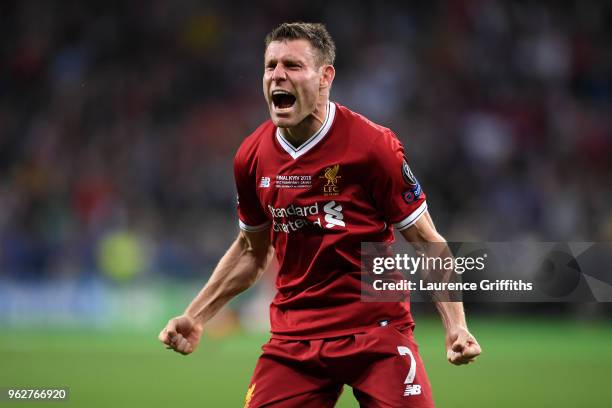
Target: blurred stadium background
(118, 124)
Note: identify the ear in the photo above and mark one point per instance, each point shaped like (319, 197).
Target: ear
(329, 72)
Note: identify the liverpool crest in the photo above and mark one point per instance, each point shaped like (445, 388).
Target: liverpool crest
(331, 187)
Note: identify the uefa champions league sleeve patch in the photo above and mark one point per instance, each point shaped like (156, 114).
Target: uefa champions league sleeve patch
(408, 175)
(413, 194)
(414, 191)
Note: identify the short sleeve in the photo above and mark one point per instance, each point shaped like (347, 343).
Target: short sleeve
(396, 191)
(252, 217)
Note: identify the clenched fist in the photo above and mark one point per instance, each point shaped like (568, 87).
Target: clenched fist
(461, 346)
(182, 334)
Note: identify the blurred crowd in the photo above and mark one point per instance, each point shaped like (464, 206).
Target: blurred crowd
(119, 121)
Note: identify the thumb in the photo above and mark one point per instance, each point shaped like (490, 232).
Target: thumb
(169, 332)
(172, 328)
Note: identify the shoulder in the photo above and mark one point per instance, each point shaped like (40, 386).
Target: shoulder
(377, 140)
(252, 144)
(363, 128)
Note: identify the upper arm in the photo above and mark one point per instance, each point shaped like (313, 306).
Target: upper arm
(396, 192)
(423, 230)
(257, 243)
(254, 237)
(251, 215)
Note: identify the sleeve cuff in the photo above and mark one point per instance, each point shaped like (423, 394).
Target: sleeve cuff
(412, 218)
(253, 228)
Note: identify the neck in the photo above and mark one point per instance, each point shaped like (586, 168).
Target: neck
(301, 132)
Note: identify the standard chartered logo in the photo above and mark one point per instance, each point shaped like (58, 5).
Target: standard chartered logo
(292, 218)
(333, 215)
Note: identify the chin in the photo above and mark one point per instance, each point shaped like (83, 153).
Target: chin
(283, 121)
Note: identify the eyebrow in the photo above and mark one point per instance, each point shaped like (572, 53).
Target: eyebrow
(289, 58)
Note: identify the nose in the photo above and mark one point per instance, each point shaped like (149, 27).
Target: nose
(279, 73)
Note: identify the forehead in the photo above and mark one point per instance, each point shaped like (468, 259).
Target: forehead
(290, 49)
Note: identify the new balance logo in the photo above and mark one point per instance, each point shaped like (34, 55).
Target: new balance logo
(412, 390)
(333, 215)
(265, 182)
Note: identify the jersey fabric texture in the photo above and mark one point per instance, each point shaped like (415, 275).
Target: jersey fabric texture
(347, 184)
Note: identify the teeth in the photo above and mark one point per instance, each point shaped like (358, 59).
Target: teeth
(280, 92)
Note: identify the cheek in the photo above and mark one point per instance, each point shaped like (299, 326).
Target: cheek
(265, 84)
(313, 90)
(310, 89)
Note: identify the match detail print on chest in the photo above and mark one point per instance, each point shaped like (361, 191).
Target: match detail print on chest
(295, 199)
(326, 181)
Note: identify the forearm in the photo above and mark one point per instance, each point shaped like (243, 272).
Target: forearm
(452, 314)
(461, 346)
(427, 241)
(237, 270)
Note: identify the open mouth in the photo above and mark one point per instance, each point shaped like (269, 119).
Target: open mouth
(282, 99)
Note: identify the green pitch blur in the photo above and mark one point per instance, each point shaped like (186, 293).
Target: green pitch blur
(533, 363)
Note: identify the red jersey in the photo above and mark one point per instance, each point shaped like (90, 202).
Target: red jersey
(349, 183)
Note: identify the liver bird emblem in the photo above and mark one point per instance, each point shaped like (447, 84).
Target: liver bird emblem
(331, 174)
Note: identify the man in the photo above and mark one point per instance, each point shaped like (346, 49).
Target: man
(313, 183)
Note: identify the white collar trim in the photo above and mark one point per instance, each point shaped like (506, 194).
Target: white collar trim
(313, 140)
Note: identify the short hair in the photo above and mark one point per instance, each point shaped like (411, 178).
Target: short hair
(315, 33)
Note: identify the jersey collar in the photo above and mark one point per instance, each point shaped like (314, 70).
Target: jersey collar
(312, 140)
